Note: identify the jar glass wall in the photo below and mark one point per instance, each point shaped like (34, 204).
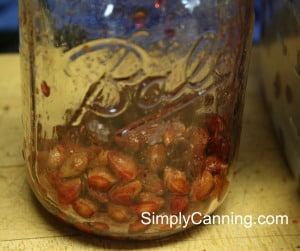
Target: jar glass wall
(132, 109)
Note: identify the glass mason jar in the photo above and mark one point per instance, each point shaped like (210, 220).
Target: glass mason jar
(132, 109)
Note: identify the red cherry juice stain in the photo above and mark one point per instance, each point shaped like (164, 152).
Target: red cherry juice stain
(45, 88)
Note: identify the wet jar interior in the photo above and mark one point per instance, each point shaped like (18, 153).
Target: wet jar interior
(123, 131)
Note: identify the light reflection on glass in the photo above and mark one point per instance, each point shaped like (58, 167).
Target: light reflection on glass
(190, 4)
(109, 9)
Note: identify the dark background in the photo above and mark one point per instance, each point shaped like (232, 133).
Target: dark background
(9, 38)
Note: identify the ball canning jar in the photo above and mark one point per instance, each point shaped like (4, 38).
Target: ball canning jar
(132, 109)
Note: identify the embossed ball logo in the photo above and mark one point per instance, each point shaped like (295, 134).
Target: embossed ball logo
(120, 71)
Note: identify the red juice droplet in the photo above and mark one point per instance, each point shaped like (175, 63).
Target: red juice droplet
(139, 18)
(169, 33)
(45, 88)
(157, 4)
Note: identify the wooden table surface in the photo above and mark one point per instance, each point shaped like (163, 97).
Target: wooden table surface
(262, 185)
